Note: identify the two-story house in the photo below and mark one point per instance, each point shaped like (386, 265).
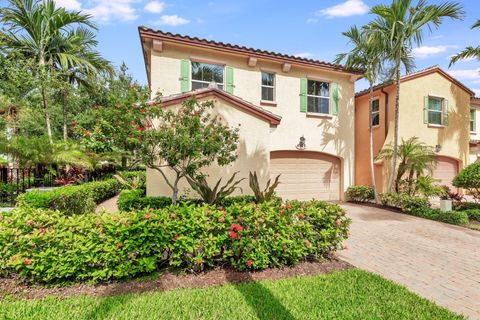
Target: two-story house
(474, 130)
(434, 107)
(295, 115)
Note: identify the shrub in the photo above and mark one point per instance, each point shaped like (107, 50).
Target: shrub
(46, 246)
(360, 193)
(404, 202)
(469, 179)
(77, 199)
(214, 195)
(137, 178)
(459, 206)
(263, 195)
(454, 217)
(473, 214)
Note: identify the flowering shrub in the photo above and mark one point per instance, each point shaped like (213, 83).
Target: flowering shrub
(404, 201)
(360, 193)
(48, 246)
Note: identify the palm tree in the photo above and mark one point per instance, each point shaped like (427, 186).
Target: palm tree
(415, 158)
(468, 52)
(399, 27)
(366, 55)
(38, 30)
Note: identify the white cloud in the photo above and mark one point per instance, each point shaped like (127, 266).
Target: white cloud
(155, 7)
(312, 20)
(345, 9)
(111, 10)
(466, 74)
(427, 51)
(171, 20)
(69, 4)
(303, 54)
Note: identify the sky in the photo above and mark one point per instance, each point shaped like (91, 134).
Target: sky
(304, 28)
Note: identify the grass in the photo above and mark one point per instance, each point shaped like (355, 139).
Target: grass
(350, 294)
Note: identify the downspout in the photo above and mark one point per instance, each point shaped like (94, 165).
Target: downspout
(386, 110)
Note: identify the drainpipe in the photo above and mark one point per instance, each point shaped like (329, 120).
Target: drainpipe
(386, 111)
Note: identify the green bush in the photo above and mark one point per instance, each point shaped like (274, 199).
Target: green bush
(77, 199)
(459, 206)
(454, 217)
(473, 214)
(360, 193)
(404, 202)
(47, 246)
(469, 179)
(132, 175)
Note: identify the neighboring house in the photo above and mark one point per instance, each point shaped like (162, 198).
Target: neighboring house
(433, 107)
(278, 102)
(474, 130)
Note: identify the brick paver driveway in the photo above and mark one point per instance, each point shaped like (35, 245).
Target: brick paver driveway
(438, 261)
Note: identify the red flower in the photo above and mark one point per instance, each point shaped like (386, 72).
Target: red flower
(289, 207)
(235, 227)
(338, 222)
(146, 216)
(29, 222)
(139, 138)
(151, 209)
(176, 237)
(119, 244)
(133, 123)
(142, 110)
(97, 224)
(173, 215)
(27, 262)
(219, 208)
(232, 234)
(221, 220)
(130, 136)
(248, 263)
(307, 243)
(41, 231)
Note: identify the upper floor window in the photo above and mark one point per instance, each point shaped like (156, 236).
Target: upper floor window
(268, 86)
(318, 97)
(435, 110)
(204, 73)
(375, 113)
(472, 120)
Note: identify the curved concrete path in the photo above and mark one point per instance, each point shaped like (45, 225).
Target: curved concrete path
(438, 261)
(109, 205)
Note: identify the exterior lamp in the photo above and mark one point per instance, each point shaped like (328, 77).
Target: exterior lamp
(438, 148)
(301, 144)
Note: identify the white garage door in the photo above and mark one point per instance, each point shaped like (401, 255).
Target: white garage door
(445, 171)
(306, 175)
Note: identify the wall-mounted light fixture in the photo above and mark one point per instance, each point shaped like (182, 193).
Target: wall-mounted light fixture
(301, 144)
(438, 148)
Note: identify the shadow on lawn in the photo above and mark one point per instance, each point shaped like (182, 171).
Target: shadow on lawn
(260, 299)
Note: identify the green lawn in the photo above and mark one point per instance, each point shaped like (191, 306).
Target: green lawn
(351, 294)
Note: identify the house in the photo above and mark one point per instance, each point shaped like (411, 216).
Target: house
(295, 115)
(434, 107)
(474, 130)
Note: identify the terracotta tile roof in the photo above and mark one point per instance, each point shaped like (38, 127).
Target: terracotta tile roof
(418, 74)
(168, 36)
(237, 101)
(475, 100)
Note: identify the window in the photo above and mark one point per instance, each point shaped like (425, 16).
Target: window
(472, 120)
(268, 86)
(318, 97)
(203, 74)
(435, 110)
(375, 113)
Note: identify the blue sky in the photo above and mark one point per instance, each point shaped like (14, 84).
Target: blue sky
(307, 28)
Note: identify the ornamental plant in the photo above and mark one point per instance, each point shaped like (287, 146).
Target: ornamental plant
(182, 141)
(469, 179)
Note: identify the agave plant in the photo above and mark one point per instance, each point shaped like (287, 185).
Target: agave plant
(217, 194)
(268, 193)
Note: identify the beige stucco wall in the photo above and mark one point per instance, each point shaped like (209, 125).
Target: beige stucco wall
(475, 135)
(453, 138)
(333, 135)
(252, 153)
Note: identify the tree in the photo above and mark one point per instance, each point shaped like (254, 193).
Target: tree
(38, 30)
(468, 52)
(367, 55)
(469, 179)
(397, 28)
(415, 158)
(186, 140)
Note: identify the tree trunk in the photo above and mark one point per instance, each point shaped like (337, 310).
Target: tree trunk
(395, 132)
(65, 101)
(124, 162)
(372, 168)
(47, 116)
(175, 190)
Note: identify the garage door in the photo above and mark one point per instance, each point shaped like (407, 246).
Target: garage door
(306, 175)
(446, 170)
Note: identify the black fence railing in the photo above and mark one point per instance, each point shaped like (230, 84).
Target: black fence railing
(15, 181)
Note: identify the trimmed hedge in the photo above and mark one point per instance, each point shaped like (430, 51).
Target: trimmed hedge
(45, 246)
(473, 214)
(136, 199)
(404, 202)
(360, 193)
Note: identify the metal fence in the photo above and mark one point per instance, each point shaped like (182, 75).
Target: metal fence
(15, 181)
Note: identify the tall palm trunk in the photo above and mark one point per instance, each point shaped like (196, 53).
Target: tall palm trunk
(65, 106)
(372, 169)
(395, 132)
(47, 115)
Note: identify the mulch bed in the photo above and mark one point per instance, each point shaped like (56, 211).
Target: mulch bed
(168, 281)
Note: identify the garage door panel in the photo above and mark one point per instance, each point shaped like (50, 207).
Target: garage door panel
(306, 175)
(446, 170)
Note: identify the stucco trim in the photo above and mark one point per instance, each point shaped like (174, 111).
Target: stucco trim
(213, 92)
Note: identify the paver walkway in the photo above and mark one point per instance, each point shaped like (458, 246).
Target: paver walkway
(438, 261)
(109, 205)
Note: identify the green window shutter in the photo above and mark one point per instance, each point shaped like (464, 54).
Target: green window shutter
(229, 71)
(185, 75)
(445, 113)
(425, 110)
(334, 98)
(303, 95)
